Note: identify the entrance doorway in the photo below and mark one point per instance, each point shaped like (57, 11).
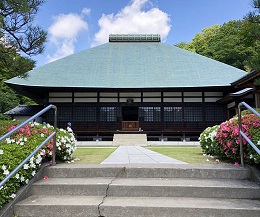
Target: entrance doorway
(130, 113)
(130, 118)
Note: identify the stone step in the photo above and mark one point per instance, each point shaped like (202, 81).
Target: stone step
(67, 206)
(130, 139)
(149, 171)
(147, 187)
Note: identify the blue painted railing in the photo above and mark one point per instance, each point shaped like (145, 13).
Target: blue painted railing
(243, 135)
(53, 135)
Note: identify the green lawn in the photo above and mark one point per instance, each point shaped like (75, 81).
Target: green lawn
(92, 155)
(191, 155)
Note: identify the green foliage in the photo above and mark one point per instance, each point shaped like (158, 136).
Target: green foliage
(18, 146)
(223, 43)
(16, 23)
(186, 46)
(209, 142)
(225, 139)
(250, 32)
(12, 64)
(247, 112)
(18, 33)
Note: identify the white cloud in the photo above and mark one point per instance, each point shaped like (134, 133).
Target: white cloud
(135, 18)
(86, 11)
(63, 34)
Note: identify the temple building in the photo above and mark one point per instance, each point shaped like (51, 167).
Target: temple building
(135, 83)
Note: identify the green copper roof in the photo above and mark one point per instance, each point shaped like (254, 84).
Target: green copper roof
(132, 65)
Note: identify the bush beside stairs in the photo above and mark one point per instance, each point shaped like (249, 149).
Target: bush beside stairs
(142, 190)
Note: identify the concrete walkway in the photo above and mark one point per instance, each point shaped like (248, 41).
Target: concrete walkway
(138, 154)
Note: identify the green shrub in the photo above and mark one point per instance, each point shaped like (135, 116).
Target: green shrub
(228, 138)
(247, 112)
(223, 140)
(208, 141)
(16, 148)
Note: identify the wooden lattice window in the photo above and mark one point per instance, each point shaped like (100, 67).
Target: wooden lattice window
(64, 114)
(85, 114)
(150, 113)
(172, 114)
(193, 113)
(215, 114)
(110, 113)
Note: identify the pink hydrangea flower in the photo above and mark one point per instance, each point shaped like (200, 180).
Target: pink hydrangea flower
(236, 164)
(45, 177)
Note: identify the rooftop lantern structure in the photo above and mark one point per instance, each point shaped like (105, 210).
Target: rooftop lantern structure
(134, 38)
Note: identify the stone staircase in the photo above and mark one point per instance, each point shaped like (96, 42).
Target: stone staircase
(156, 190)
(122, 139)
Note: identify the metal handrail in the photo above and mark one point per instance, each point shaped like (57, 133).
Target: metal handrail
(52, 135)
(241, 134)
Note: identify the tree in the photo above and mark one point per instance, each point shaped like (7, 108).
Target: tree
(201, 40)
(13, 65)
(250, 32)
(18, 36)
(16, 22)
(223, 43)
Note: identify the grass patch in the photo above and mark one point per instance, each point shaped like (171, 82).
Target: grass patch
(92, 155)
(191, 155)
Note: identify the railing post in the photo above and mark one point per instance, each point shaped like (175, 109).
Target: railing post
(54, 139)
(240, 135)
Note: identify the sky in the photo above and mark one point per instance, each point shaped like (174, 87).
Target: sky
(76, 25)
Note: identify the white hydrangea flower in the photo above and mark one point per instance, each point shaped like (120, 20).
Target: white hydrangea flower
(33, 173)
(8, 140)
(63, 140)
(251, 156)
(31, 159)
(1, 152)
(22, 179)
(38, 159)
(33, 165)
(26, 166)
(3, 167)
(6, 172)
(42, 135)
(13, 196)
(21, 143)
(27, 181)
(258, 143)
(49, 126)
(17, 176)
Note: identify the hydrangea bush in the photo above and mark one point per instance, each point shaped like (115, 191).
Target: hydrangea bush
(209, 142)
(18, 146)
(223, 140)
